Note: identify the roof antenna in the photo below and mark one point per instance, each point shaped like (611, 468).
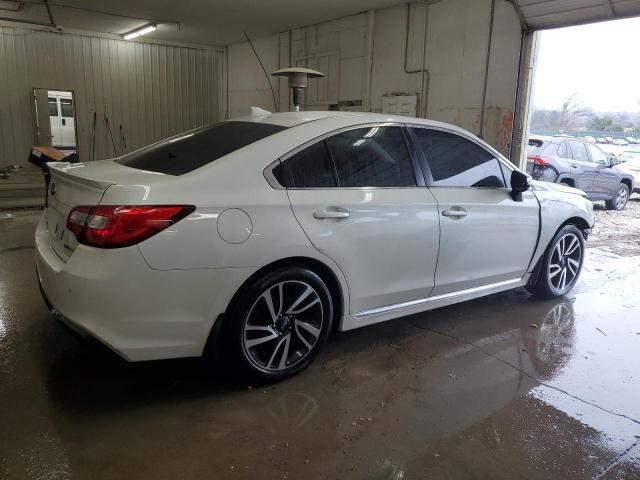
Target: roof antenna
(273, 93)
(297, 82)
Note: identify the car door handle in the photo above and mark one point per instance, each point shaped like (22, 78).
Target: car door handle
(573, 165)
(337, 214)
(454, 212)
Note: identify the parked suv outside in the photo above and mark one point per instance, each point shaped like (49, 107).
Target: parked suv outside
(580, 164)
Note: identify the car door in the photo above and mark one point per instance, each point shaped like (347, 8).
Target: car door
(583, 169)
(606, 178)
(486, 237)
(356, 195)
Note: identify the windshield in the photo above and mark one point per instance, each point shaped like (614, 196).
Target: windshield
(190, 150)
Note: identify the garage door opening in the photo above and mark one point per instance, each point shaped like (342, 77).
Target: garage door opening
(586, 82)
(584, 109)
(584, 121)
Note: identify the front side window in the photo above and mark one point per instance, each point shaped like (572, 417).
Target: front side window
(579, 151)
(597, 155)
(372, 157)
(455, 161)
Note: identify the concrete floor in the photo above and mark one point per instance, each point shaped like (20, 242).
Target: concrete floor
(469, 391)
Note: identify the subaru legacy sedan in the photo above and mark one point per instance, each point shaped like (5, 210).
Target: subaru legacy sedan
(259, 237)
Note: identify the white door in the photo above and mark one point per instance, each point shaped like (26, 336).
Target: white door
(54, 120)
(67, 123)
(356, 197)
(486, 236)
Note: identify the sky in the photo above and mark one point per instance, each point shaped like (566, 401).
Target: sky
(599, 62)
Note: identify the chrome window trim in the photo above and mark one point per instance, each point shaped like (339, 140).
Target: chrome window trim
(498, 156)
(271, 179)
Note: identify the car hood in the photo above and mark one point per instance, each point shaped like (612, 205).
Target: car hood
(622, 168)
(556, 187)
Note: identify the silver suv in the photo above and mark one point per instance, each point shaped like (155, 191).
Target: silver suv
(581, 164)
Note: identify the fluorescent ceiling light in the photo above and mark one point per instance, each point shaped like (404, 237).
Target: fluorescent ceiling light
(10, 5)
(139, 31)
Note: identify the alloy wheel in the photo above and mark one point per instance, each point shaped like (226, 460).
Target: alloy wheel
(283, 326)
(621, 199)
(564, 264)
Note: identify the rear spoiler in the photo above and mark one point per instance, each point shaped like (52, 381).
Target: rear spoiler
(72, 172)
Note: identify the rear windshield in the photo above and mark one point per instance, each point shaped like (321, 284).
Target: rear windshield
(196, 148)
(536, 146)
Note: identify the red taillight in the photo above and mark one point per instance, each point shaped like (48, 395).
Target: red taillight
(122, 226)
(538, 161)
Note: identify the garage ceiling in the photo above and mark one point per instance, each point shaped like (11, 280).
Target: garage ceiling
(539, 14)
(221, 22)
(207, 22)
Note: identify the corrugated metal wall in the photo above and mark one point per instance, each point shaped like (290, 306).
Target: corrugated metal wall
(146, 91)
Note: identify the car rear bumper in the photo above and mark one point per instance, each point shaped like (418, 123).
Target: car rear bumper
(139, 312)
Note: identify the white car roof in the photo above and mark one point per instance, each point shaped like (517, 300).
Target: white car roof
(291, 119)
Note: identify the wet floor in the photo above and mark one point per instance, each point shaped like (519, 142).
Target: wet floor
(504, 387)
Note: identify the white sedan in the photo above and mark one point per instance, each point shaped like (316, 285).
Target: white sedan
(262, 235)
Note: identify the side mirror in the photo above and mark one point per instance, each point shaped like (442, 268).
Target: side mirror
(613, 161)
(519, 183)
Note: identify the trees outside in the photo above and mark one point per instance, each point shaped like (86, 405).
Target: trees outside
(602, 124)
(573, 116)
(572, 111)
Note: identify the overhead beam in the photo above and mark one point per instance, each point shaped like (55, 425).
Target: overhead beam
(523, 21)
(28, 22)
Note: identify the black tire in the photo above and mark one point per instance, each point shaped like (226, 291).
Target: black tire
(299, 320)
(620, 198)
(548, 282)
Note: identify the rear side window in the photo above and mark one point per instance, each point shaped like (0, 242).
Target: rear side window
(455, 161)
(196, 148)
(309, 168)
(372, 157)
(66, 105)
(53, 107)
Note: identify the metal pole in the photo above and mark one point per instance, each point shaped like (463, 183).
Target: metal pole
(486, 70)
(46, 4)
(423, 100)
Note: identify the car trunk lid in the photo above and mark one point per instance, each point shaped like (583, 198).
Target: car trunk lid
(69, 188)
(85, 184)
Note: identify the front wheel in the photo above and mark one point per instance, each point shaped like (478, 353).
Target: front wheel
(278, 324)
(561, 264)
(620, 198)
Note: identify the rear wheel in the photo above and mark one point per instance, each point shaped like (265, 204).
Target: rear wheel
(619, 200)
(560, 265)
(278, 324)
